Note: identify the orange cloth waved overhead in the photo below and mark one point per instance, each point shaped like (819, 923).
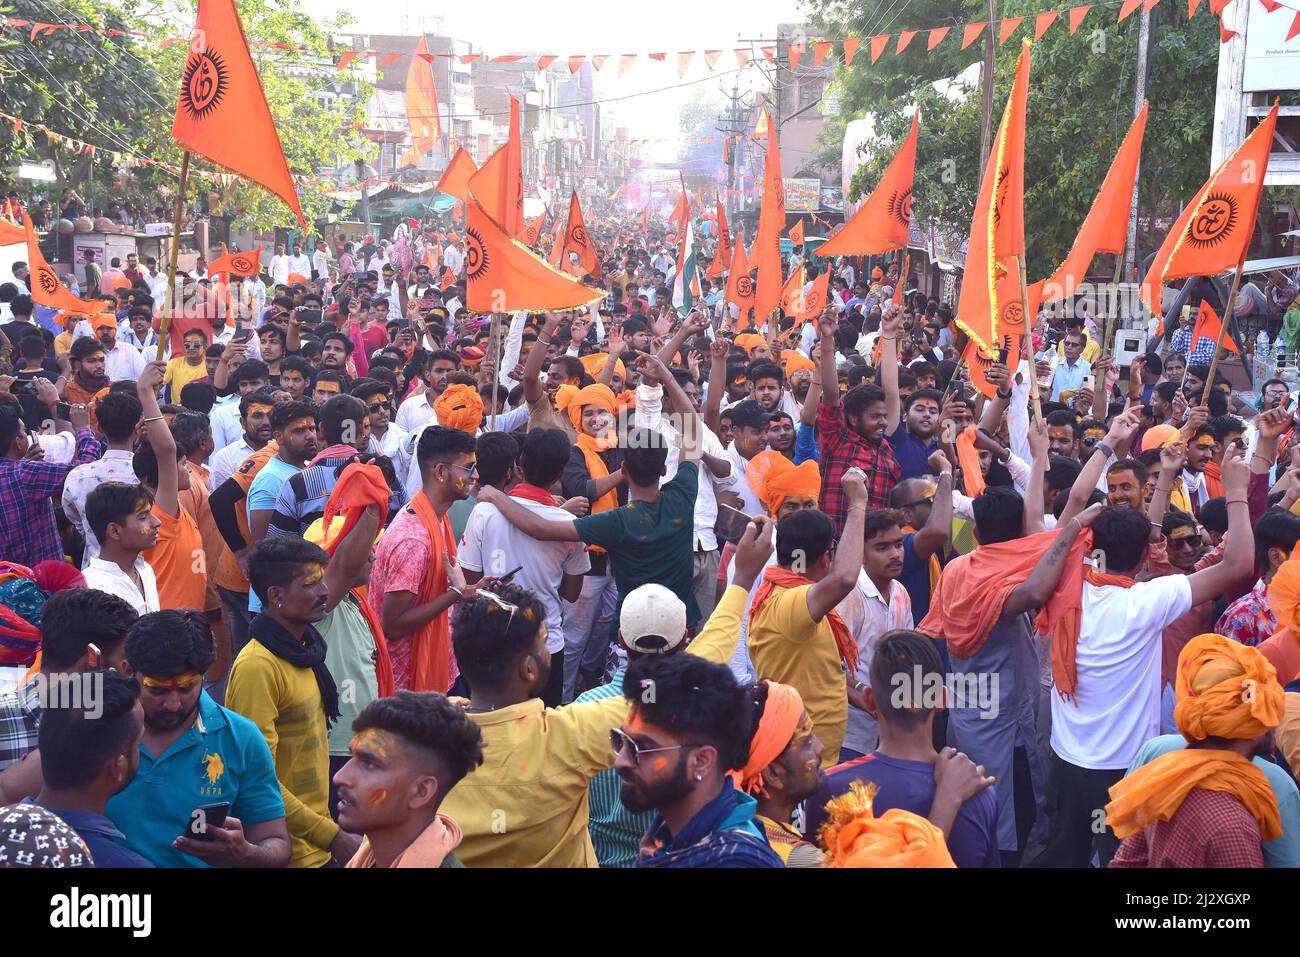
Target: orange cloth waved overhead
(44, 282)
(237, 263)
(421, 107)
(455, 178)
(1209, 326)
(766, 252)
(882, 222)
(721, 256)
(1214, 230)
(991, 303)
(740, 285)
(499, 185)
(796, 233)
(577, 240)
(222, 114)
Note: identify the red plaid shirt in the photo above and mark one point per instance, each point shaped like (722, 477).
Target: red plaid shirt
(842, 449)
(1209, 829)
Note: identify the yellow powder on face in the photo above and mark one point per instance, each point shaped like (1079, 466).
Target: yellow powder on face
(315, 572)
(1182, 532)
(378, 743)
(258, 407)
(183, 682)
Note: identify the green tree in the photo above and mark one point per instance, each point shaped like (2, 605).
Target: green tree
(1080, 106)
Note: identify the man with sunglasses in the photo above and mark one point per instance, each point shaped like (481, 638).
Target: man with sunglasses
(385, 436)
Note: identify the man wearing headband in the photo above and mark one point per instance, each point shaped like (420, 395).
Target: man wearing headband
(280, 682)
(195, 753)
(121, 360)
(1210, 803)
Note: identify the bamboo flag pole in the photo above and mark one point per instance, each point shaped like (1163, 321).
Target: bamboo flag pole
(169, 303)
(1029, 342)
(1223, 331)
(494, 333)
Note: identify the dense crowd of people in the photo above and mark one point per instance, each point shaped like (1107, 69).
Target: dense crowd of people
(328, 570)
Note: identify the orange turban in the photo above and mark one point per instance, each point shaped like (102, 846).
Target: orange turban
(296, 279)
(119, 282)
(796, 361)
(748, 340)
(774, 479)
(594, 363)
(776, 728)
(854, 837)
(598, 394)
(1284, 595)
(102, 320)
(564, 395)
(460, 407)
(1158, 436)
(1224, 690)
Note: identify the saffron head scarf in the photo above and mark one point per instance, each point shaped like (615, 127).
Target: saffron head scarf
(774, 479)
(460, 407)
(776, 728)
(854, 837)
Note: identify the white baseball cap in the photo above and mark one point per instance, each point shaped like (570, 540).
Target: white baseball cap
(653, 620)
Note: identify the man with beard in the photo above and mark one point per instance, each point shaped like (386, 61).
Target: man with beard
(195, 753)
(851, 431)
(418, 408)
(1063, 433)
(89, 377)
(89, 752)
(768, 389)
(335, 349)
(688, 723)
(408, 752)
(784, 769)
(415, 579)
(121, 360)
(280, 682)
(500, 642)
(799, 373)
(255, 417)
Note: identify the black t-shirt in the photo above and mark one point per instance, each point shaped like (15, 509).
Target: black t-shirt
(16, 329)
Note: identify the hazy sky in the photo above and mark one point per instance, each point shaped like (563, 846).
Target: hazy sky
(590, 27)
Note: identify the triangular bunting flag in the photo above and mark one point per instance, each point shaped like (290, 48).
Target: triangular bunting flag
(820, 50)
(1126, 8)
(1076, 16)
(711, 58)
(598, 61)
(936, 37)
(575, 64)
(1008, 27)
(742, 58)
(972, 32)
(878, 44)
(904, 39)
(625, 61)
(684, 62)
(1043, 21)
(546, 60)
(850, 50)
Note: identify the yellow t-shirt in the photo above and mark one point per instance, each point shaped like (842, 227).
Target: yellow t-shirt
(284, 702)
(179, 374)
(787, 646)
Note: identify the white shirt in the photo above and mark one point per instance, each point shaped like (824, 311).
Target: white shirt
(415, 412)
(59, 448)
(127, 335)
(300, 264)
(649, 415)
(868, 615)
(320, 262)
(453, 259)
(226, 427)
(123, 362)
(114, 466)
(106, 576)
(493, 546)
(223, 462)
(751, 504)
(389, 444)
(280, 268)
(1116, 706)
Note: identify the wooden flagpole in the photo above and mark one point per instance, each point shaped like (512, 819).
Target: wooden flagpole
(1223, 331)
(1029, 342)
(169, 303)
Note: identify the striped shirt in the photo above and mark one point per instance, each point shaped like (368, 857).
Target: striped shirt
(615, 831)
(304, 494)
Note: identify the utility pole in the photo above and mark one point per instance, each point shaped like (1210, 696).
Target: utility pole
(732, 125)
(1142, 67)
(986, 77)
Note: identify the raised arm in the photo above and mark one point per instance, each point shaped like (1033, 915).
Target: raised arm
(890, 323)
(1035, 590)
(1037, 476)
(533, 390)
(1121, 429)
(933, 535)
(350, 559)
(1171, 464)
(159, 436)
(717, 383)
(839, 581)
(826, 371)
(1238, 562)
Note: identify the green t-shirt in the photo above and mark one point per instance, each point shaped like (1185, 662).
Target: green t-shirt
(350, 657)
(651, 542)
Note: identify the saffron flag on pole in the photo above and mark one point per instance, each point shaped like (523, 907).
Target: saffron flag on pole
(883, 221)
(1209, 327)
(809, 305)
(740, 285)
(792, 291)
(221, 113)
(421, 106)
(455, 178)
(44, 282)
(990, 304)
(682, 211)
(499, 185)
(578, 241)
(533, 231)
(1214, 231)
(771, 224)
(796, 233)
(686, 281)
(722, 255)
(1105, 228)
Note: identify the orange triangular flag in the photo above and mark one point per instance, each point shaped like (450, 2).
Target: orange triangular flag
(575, 63)
(977, 363)
(447, 280)
(792, 291)
(936, 37)
(684, 62)
(990, 304)
(1076, 16)
(546, 60)
(682, 211)
(1209, 327)
(1105, 228)
(421, 107)
(972, 32)
(742, 58)
(904, 39)
(505, 276)
(533, 231)
(455, 178)
(1043, 21)
(878, 44)
(1294, 29)
(1126, 8)
(760, 125)
(723, 254)
(237, 263)
(820, 49)
(740, 285)
(711, 58)
(796, 50)
(1214, 231)
(809, 305)
(221, 113)
(576, 240)
(850, 50)
(771, 223)
(44, 281)
(1008, 27)
(625, 61)
(796, 233)
(11, 233)
(1191, 8)
(499, 185)
(883, 220)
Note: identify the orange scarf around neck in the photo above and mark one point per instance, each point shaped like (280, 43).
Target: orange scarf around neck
(431, 644)
(591, 447)
(1155, 792)
(1213, 480)
(777, 577)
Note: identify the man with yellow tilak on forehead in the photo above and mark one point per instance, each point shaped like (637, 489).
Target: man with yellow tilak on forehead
(1206, 805)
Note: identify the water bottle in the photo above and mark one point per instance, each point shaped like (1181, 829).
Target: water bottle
(1261, 343)
(1279, 349)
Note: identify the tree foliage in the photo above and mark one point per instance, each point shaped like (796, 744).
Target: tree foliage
(1080, 106)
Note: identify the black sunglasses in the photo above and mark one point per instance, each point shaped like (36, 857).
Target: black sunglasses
(618, 740)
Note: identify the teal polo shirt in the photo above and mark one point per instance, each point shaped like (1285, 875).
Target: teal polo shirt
(222, 757)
